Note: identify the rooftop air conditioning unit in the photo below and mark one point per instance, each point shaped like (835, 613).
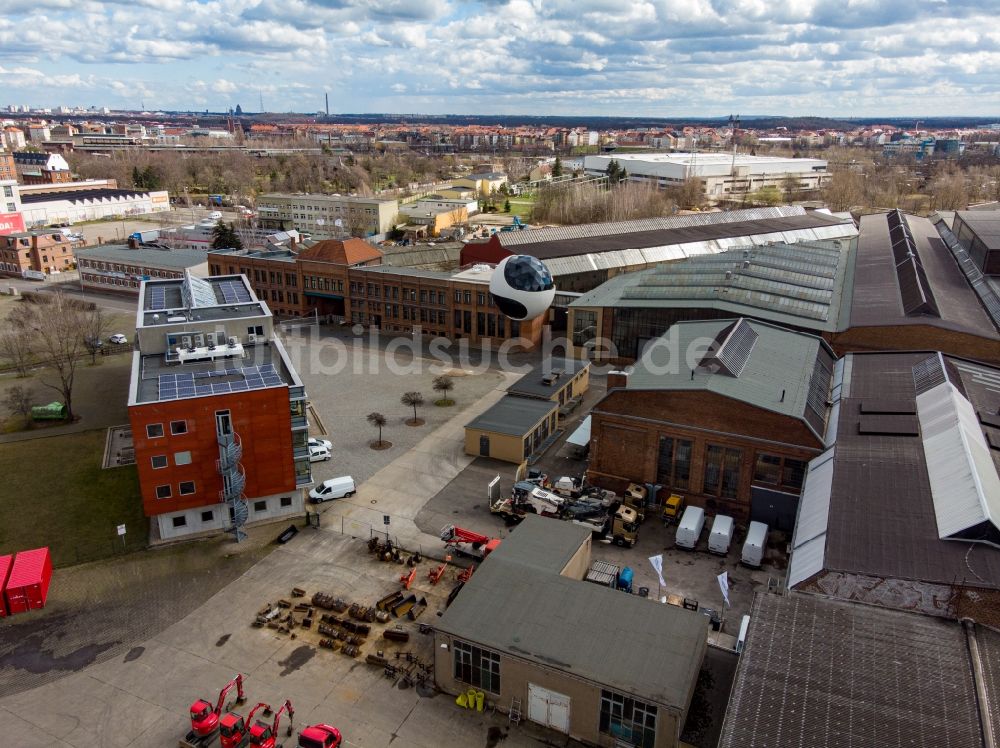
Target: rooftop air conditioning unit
(186, 341)
(252, 338)
(233, 341)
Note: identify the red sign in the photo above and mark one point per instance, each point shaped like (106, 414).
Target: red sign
(11, 223)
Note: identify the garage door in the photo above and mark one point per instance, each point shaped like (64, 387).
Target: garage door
(548, 708)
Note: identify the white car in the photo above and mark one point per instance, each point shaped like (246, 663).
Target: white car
(326, 443)
(318, 454)
(118, 339)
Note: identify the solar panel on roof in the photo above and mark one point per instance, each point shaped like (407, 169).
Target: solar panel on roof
(929, 373)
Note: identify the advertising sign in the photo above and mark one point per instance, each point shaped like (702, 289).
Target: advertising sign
(11, 223)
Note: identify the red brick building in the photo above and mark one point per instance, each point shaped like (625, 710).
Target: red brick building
(216, 408)
(41, 251)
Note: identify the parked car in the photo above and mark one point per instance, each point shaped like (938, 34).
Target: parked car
(118, 339)
(314, 442)
(318, 454)
(335, 488)
(215, 215)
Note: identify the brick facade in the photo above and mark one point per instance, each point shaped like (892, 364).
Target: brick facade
(43, 252)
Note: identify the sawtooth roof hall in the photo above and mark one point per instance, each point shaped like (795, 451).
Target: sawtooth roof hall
(908, 284)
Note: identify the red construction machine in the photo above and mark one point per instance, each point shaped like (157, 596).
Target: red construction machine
(205, 717)
(233, 727)
(320, 736)
(468, 543)
(264, 735)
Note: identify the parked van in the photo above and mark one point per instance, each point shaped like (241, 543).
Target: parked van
(689, 530)
(721, 535)
(335, 488)
(741, 640)
(753, 546)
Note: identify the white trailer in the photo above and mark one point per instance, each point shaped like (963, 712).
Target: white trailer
(721, 534)
(690, 527)
(753, 546)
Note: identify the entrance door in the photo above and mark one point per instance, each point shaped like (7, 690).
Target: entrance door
(484, 446)
(548, 708)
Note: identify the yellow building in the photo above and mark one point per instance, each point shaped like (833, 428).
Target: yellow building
(483, 183)
(512, 429)
(559, 380)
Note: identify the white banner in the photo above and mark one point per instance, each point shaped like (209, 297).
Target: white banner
(724, 586)
(657, 562)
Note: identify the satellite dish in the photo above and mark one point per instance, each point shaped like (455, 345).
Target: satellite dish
(320, 221)
(338, 222)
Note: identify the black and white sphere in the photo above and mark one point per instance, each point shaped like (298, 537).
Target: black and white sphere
(522, 286)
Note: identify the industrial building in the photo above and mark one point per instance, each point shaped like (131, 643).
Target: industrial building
(42, 168)
(217, 410)
(560, 380)
(826, 674)
(726, 413)
(117, 268)
(333, 215)
(38, 251)
(583, 257)
(978, 231)
(902, 509)
(601, 666)
(46, 204)
(723, 175)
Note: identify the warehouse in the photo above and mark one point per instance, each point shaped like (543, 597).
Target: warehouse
(513, 429)
(722, 175)
(903, 508)
(864, 678)
(583, 659)
(120, 269)
(723, 412)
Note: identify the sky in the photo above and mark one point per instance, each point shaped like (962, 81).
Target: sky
(661, 58)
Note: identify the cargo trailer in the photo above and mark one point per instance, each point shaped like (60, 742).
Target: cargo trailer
(753, 546)
(690, 527)
(28, 584)
(5, 563)
(721, 534)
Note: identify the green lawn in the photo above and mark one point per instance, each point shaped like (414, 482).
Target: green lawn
(521, 207)
(56, 494)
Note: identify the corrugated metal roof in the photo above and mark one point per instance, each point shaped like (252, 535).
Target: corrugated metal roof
(809, 540)
(819, 673)
(964, 483)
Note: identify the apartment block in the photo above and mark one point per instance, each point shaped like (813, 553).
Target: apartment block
(340, 215)
(217, 410)
(41, 251)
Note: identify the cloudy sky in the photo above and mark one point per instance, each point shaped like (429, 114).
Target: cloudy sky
(614, 57)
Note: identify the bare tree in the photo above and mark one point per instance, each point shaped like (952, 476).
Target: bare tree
(413, 399)
(19, 401)
(444, 384)
(16, 347)
(378, 420)
(60, 326)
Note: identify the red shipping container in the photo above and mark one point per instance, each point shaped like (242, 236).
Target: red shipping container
(5, 564)
(28, 584)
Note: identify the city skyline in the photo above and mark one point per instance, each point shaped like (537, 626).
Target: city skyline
(662, 59)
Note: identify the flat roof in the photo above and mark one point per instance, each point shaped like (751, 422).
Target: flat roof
(806, 284)
(514, 416)
(171, 259)
(77, 196)
(518, 603)
(725, 159)
(325, 196)
(879, 288)
(985, 224)
(867, 506)
(199, 299)
(823, 673)
(567, 241)
(531, 384)
(779, 370)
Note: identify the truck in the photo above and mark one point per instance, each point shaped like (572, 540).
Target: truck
(721, 534)
(635, 497)
(690, 527)
(673, 507)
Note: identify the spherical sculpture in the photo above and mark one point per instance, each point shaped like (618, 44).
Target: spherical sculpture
(522, 286)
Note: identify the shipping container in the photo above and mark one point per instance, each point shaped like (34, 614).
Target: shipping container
(5, 564)
(28, 584)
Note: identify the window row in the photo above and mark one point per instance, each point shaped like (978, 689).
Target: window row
(478, 667)
(180, 458)
(155, 430)
(208, 515)
(184, 488)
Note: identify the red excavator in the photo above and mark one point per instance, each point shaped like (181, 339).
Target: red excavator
(468, 543)
(205, 718)
(264, 735)
(233, 728)
(320, 736)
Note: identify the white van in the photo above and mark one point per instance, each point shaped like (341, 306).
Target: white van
(335, 488)
(753, 546)
(215, 215)
(741, 640)
(721, 535)
(689, 530)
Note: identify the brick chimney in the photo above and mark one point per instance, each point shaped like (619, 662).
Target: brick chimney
(617, 379)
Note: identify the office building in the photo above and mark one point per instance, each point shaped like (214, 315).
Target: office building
(115, 268)
(333, 215)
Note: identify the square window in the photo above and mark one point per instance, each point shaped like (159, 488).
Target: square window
(208, 516)
(187, 487)
(182, 458)
(180, 521)
(178, 427)
(260, 506)
(158, 461)
(286, 501)
(154, 430)
(163, 492)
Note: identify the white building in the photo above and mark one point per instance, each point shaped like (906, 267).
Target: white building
(67, 203)
(327, 214)
(721, 175)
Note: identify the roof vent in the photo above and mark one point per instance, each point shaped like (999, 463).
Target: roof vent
(730, 351)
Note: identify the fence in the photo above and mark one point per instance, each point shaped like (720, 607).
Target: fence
(365, 531)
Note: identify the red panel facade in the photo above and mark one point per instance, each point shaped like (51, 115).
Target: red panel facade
(261, 419)
(488, 251)
(5, 563)
(28, 584)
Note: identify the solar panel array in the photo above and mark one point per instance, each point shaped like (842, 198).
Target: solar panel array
(196, 384)
(157, 298)
(233, 292)
(914, 288)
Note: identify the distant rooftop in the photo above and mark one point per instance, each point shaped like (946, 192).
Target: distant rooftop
(165, 302)
(531, 384)
(763, 365)
(79, 196)
(168, 259)
(804, 284)
(326, 196)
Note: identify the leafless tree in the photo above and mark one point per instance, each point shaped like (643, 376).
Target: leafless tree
(19, 401)
(16, 347)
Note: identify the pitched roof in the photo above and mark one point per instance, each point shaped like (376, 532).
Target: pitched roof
(348, 252)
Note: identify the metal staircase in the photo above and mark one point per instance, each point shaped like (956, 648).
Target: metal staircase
(233, 481)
